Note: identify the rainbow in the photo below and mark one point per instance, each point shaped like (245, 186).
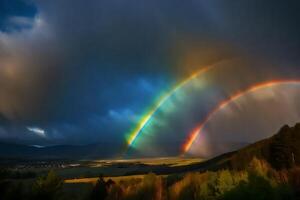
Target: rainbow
(194, 134)
(146, 118)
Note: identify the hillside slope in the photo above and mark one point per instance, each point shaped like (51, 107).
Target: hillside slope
(281, 150)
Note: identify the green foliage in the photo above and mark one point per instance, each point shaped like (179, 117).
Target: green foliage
(207, 186)
(225, 182)
(47, 187)
(149, 189)
(258, 188)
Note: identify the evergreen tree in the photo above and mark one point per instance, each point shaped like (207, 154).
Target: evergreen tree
(281, 154)
(99, 191)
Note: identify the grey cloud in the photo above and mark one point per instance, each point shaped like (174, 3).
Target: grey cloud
(84, 58)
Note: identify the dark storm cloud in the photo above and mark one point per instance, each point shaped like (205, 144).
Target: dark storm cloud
(87, 70)
(262, 28)
(74, 55)
(14, 12)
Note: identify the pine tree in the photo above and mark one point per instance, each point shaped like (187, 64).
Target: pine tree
(281, 153)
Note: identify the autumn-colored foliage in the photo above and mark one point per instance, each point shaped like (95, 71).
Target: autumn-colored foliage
(258, 181)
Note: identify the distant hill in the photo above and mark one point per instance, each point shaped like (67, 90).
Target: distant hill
(281, 150)
(19, 151)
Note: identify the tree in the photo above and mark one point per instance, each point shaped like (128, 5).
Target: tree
(48, 187)
(256, 188)
(281, 153)
(99, 191)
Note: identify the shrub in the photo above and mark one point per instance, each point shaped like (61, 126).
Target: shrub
(184, 189)
(115, 192)
(259, 167)
(206, 186)
(256, 188)
(150, 188)
(225, 182)
(99, 191)
(48, 187)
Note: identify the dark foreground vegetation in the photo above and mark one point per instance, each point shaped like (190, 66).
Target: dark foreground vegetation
(258, 181)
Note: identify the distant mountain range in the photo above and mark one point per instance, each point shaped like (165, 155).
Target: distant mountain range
(19, 151)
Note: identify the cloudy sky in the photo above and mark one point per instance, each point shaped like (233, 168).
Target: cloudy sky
(81, 72)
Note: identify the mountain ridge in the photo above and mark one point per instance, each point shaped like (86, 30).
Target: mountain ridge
(281, 150)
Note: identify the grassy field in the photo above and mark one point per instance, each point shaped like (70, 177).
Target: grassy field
(117, 168)
(171, 161)
(94, 180)
(122, 168)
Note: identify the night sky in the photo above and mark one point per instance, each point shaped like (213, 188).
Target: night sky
(81, 72)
